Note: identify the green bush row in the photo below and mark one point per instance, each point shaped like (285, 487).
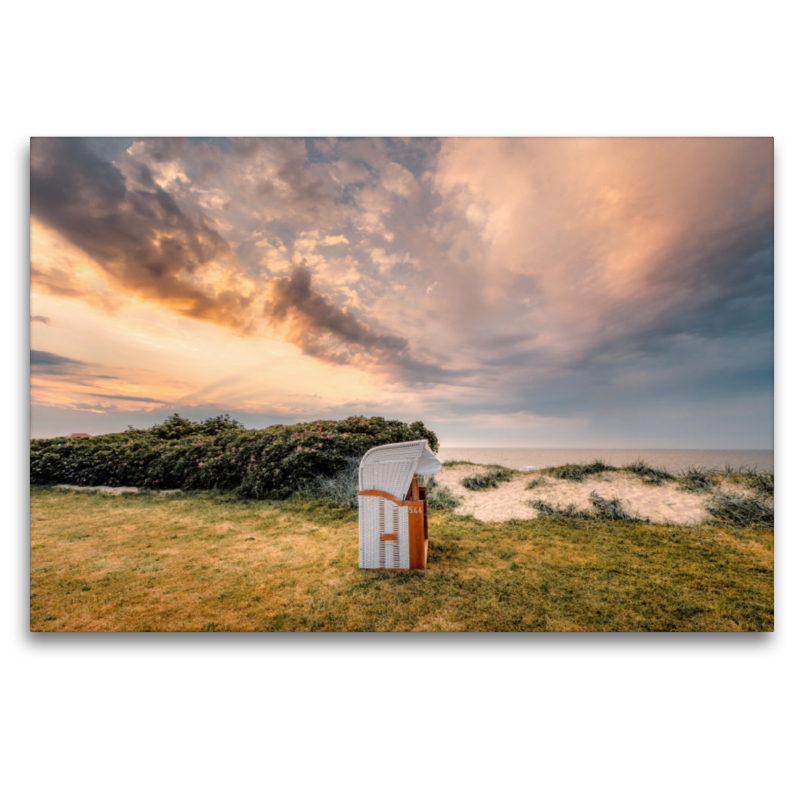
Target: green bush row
(270, 463)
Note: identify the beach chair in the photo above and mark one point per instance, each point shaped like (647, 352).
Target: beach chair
(392, 507)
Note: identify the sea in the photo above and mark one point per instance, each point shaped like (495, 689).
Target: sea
(674, 461)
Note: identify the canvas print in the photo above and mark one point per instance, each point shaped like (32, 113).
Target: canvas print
(401, 384)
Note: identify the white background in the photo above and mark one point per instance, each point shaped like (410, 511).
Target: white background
(551, 716)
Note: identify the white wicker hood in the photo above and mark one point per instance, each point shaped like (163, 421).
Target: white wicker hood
(391, 467)
(428, 464)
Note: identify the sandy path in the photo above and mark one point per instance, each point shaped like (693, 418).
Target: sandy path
(109, 489)
(508, 501)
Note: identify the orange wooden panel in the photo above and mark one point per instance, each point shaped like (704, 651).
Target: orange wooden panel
(416, 534)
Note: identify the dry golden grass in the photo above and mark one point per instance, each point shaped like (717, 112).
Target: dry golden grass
(205, 562)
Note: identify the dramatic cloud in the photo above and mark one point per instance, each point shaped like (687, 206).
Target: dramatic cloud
(321, 329)
(312, 318)
(131, 227)
(582, 280)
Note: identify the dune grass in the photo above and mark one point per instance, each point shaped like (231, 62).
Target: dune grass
(490, 479)
(341, 488)
(761, 482)
(649, 474)
(577, 472)
(698, 479)
(610, 509)
(741, 510)
(693, 479)
(440, 498)
(210, 562)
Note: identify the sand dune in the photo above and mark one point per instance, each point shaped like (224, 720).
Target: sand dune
(665, 503)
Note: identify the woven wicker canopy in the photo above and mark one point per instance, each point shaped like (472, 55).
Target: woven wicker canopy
(391, 467)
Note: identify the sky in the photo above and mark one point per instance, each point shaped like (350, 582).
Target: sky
(509, 292)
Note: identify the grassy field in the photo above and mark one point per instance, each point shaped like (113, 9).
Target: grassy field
(208, 562)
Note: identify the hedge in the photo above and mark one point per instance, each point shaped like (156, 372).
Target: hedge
(270, 463)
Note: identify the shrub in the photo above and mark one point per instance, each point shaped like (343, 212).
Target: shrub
(176, 427)
(269, 463)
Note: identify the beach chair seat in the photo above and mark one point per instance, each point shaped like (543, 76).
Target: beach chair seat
(392, 509)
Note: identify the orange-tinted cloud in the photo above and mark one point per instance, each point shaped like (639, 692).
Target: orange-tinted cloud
(132, 228)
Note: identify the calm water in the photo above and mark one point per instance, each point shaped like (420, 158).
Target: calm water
(671, 460)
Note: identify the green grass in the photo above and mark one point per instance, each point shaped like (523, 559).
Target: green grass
(211, 562)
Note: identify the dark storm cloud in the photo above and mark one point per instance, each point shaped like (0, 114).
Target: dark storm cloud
(726, 293)
(133, 228)
(314, 314)
(323, 330)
